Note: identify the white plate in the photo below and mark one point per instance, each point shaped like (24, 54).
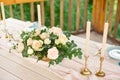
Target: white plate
(114, 52)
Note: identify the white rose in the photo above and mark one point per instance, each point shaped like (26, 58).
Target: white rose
(44, 35)
(20, 47)
(55, 30)
(47, 41)
(37, 44)
(29, 42)
(30, 51)
(53, 53)
(57, 41)
(62, 39)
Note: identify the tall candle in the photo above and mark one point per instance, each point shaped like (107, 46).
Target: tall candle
(3, 14)
(104, 39)
(39, 15)
(87, 38)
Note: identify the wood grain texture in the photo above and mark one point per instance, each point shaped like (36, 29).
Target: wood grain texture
(52, 12)
(99, 15)
(4, 75)
(11, 11)
(19, 71)
(9, 2)
(42, 13)
(110, 15)
(61, 13)
(117, 19)
(22, 12)
(70, 15)
(32, 11)
(78, 16)
(31, 66)
(85, 14)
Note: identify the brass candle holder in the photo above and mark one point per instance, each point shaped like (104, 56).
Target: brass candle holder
(85, 70)
(100, 73)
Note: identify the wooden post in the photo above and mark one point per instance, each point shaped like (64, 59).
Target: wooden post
(117, 19)
(99, 15)
(0, 17)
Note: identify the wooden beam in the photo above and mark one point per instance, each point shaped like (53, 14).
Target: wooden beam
(8, 2)
(11, 11)
(99, 15)
(61, 13)
(117, 19)
(70, 15)
(32, 11)
(22, 12)
(42, 13)
(52, 12)
(85, 14)
(78, 16)
(110, 15)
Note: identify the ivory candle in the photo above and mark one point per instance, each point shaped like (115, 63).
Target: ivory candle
(104, 39)
(39, 16)
(3, 14)
(87, 38)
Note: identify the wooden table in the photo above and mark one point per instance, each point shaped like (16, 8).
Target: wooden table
(14, 67)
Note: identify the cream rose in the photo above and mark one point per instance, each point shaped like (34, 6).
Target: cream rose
(57, 41)
(29, 42)
(37, 32)
(47, 41)
(55, 30)
(44, 35)
(37, 44)
(30, 51)
(53, 53)
(62, 39)
(20, 47)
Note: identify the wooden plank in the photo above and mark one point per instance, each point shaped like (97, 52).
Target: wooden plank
(4, 75)
(32, 12)
(19, 71)
(95, 14)
(117, 19)
(32, 66)
(11, 11)
(22, 12)
(110, 15)
(94, 6)
(26, 1)
(52, 12)
(61, 13)
(0, 16)
(102, 15)
(70, 15)
(85, 14)
(78, 16)
(99, 15)
(8, 2)
(42, 13)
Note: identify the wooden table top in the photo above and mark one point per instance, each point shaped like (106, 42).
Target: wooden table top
(14, 67)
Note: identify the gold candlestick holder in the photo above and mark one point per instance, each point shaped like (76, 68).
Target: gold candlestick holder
(100, 73)
(85, 70)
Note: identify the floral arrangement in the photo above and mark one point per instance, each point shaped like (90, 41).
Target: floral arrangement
(52, 44)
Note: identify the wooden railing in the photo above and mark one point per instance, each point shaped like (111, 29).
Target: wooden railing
(99, 17)
(21, 2)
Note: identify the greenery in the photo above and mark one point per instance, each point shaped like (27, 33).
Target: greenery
(52, 44)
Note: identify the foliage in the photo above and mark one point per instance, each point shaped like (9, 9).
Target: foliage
(50, 43)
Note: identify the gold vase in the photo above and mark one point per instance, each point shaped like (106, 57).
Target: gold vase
(45, 59)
